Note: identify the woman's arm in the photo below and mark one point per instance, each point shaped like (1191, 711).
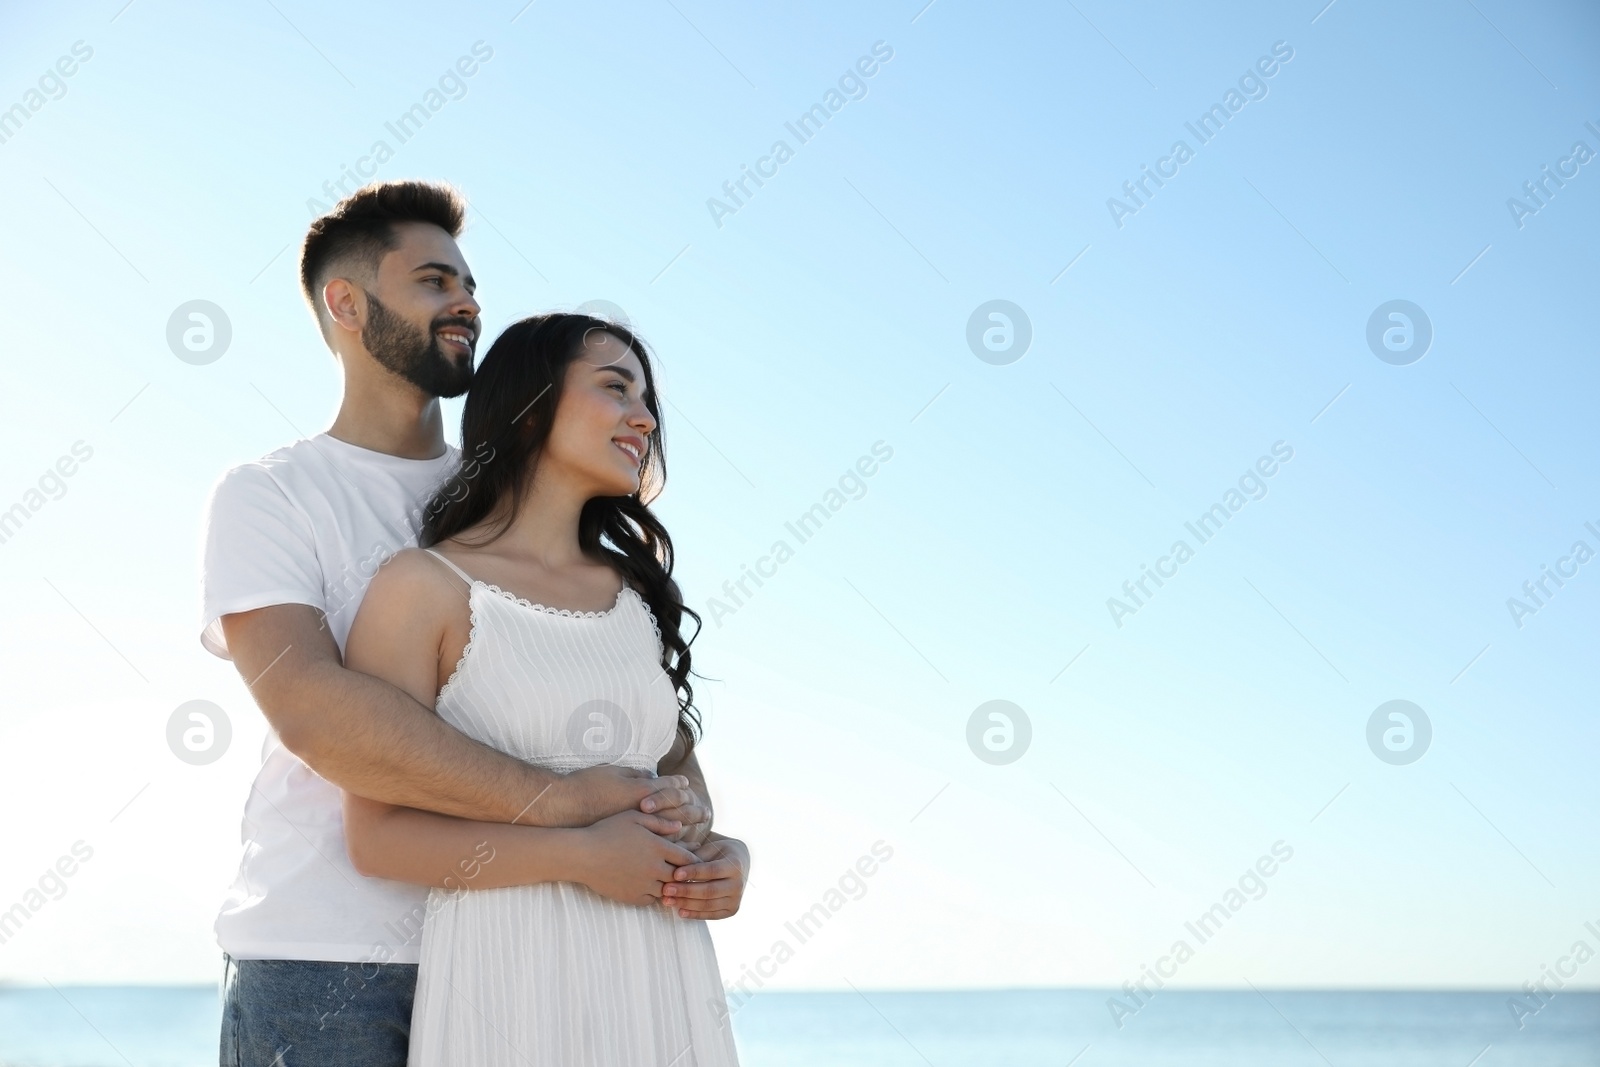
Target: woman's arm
(624, 857)
(426, 848)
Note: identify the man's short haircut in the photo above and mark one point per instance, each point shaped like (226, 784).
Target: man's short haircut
(360, 230)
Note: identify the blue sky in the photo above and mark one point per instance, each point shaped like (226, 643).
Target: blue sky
(828, 313)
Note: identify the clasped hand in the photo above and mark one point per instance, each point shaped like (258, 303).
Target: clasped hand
(663, 854)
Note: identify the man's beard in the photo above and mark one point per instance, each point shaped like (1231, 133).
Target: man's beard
(414, 354)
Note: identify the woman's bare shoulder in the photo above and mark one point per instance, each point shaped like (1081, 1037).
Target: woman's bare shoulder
(413, 589)
(411, 606)
(414, 573)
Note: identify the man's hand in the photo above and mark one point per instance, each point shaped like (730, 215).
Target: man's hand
(713, 887)
(695, 813)
(584, 797)
(682, 803)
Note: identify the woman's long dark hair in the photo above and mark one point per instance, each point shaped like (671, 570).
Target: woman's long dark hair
(505, 423)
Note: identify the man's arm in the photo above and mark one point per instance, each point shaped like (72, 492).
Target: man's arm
(624, 857)
(370, 738)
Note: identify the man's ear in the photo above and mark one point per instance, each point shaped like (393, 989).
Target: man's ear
(345, 304)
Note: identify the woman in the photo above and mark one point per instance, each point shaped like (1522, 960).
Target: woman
(550, 946)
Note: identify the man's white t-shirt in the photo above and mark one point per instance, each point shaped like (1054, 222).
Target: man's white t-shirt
(310, 524)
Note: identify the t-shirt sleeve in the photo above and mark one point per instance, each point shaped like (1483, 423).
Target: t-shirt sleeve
(257, 550)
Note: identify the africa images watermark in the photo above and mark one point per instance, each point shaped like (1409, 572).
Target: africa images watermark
(1204, 528)
(1577, 556)
(51, 485)
(1252, 86)
(852, 85)
(351, 582)
(1539, 191)
(451, 85)
(1253, 881)
(52, 85)
(851, 885)
(406, 929)
(1537, 994)
(803, 528)
(51, 885)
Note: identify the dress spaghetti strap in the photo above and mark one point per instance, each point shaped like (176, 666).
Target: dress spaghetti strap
(463, 575)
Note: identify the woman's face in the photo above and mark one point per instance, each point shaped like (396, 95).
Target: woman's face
(602, 427)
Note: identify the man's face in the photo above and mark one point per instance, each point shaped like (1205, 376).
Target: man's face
(422, 320)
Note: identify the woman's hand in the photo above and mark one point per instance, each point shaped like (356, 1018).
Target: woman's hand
(712, 887)
(627, 857)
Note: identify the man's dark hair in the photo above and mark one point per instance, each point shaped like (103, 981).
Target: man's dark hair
(360, 230)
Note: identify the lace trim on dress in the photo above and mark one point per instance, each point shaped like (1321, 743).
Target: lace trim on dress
(466, 650)
(567, 612)
(661, 648)
(472, 622)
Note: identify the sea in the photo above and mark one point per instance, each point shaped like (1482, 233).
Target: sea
(160, 1026)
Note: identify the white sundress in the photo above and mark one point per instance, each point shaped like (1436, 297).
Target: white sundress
(555, 974)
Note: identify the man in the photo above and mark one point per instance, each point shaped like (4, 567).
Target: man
(320, 959)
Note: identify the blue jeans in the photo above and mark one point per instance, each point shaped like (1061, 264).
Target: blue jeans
(308, 1013)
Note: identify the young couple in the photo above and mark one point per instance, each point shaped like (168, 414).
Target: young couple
(480, 834)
